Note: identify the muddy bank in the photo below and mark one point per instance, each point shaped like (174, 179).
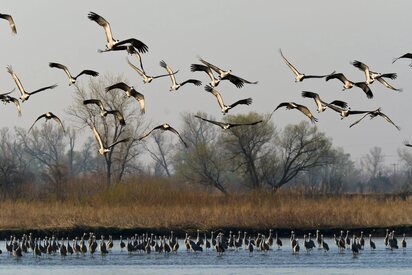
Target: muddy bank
(126, 232)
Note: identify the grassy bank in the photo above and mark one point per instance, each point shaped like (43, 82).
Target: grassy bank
(159, 205)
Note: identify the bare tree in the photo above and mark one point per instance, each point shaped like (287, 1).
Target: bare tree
(161, 152)
(247, 145)
(299, 147)
(338, 172)
(13, 164)
(374, 166)
(374, 162)
(47, 147)
(123, 158)
(203, 162)
(86, 161)
(405, 156)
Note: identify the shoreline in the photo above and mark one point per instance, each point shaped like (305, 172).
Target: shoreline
(180, 233)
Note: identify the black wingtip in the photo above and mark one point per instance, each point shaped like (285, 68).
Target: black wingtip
(92, 16)
(307, 94)
(369, 95)
(208, 88)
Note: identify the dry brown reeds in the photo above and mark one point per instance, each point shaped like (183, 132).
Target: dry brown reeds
(165, 204)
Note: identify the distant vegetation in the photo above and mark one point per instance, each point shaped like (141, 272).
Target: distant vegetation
(256, 175)
(150, 204)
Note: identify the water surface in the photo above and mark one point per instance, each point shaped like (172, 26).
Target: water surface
(282, 261)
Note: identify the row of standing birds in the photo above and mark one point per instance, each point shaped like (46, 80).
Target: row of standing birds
(148, 243)
(356, 244)
(52, 245)
(133, 47)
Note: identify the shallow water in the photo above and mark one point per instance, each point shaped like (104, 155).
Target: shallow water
(379, 261)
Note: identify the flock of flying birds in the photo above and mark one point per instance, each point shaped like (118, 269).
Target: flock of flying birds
(136, 48)
(339, 106)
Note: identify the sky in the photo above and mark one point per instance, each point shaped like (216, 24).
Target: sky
(317, 37)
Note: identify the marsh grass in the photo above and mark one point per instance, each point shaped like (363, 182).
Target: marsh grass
(166, 204)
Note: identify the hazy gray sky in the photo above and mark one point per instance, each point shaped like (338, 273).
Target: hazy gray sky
(316, 36)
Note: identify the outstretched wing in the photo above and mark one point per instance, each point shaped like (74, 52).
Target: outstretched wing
(11, 22)
(4, 94)
(338, 76)
(359, 120)
(288, 105)
(121, 85)
(117, 142)
(16, 79)
(220, 124)
(163, 75)
(406, 55)
(238, 81)
(389, 75)
(169, 71)
(139, 71)
(389, 120)
(173, 130)
(363, 67)
(104, 23)
(148, 133)
(16, 102)
(137, 44)
(294, 70)
(406, 143)
(213, 67)
(118, 116)
(387, 85)
(246, 101)
(350, 112)
(140, 98)
(306, 112)
(132, 51)
(365, 88)
(202, 68)
(216, 94)
(43, 89)
(310, 95)
(57, 119)
(98, 102)
(340, 103)
(60, 66)
(98, 138)
(87, 72)
(245, 124)
(192, 81)
(334, 107)
(319, 76)
(40, 117)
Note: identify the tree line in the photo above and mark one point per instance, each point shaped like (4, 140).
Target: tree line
(241, 158)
